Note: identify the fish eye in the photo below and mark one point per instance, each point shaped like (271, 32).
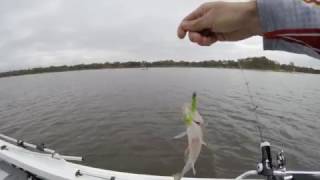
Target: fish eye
(197, 122)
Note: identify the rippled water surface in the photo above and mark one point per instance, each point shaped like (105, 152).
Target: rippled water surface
(124, 119)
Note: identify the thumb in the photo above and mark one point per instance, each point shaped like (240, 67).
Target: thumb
(194, 25)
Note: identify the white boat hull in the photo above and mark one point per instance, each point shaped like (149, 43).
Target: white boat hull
(44, 166)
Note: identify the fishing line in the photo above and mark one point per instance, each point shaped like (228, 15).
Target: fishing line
(253, 104)
(285, 87)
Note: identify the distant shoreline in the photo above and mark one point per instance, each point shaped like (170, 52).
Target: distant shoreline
(253, 63)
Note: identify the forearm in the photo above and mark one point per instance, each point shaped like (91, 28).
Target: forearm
(252, 18)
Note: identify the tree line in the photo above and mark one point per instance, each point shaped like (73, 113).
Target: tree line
(258, 63)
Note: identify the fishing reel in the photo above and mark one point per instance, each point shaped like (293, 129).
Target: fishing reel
(266, 167)
(277, 171)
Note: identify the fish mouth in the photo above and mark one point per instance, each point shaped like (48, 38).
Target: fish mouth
(197, 122)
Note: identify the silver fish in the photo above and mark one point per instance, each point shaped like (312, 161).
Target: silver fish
(195, 125)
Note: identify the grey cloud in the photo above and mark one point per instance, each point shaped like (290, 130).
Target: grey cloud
(42, 33)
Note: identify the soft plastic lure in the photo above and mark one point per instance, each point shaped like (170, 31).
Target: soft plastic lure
(194, 124)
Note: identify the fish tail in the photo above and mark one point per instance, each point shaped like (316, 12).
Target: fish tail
(177, 176)
(194, 170)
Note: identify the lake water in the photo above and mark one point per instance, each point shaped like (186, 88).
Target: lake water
(124, 119)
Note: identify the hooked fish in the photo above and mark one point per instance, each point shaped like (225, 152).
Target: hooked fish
(194, 132)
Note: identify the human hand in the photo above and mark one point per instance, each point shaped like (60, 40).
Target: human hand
(221, 21)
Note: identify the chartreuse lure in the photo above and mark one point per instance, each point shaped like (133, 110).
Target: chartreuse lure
(189, 116)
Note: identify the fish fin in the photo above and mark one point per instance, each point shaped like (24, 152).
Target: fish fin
(204, 143)
(181, 135)
(177, 176)
(194, 170)
(210, 147)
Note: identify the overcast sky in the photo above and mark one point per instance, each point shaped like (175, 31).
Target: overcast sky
(38, 33)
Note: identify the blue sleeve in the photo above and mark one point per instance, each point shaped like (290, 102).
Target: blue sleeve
(291, 25)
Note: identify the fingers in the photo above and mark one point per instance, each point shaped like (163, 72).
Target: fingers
(181, 32)
(195, 25)
(194, 37)
(192, 16)
(195, 14)
(202, 40)
(224, 22)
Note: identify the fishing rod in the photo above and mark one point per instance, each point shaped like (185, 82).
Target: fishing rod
(266, 167)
